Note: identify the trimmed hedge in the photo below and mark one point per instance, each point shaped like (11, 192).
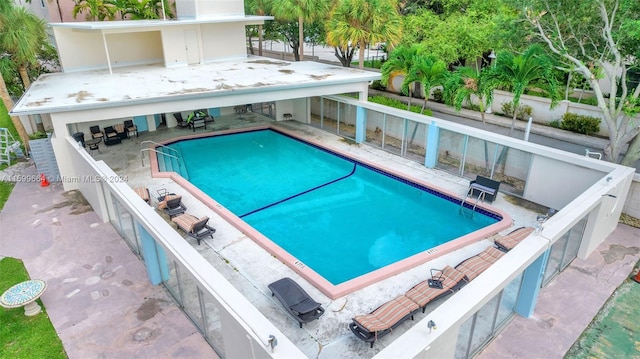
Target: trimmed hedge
(586, 125)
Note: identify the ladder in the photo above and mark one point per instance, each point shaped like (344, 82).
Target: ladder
(8, 145)
(481, 190)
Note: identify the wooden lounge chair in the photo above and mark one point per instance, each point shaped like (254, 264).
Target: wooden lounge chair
(370, 327)
(423, 293)
(172, 205)
(516, 236)
(195, 227)
(475, 265)
(143, 192)
(297, 302)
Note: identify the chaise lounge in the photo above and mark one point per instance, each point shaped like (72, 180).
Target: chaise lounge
(370, 327)
(195, 227)
(172, 205)
(516, 236)
(143, 192)
(424, 292)
(472, 267)
(297, 302)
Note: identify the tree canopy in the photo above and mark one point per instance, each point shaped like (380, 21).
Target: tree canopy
(361, 22)
(589, 36)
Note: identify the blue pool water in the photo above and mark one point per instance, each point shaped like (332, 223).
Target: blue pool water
(339, 217)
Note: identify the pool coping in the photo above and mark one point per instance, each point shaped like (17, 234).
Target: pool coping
(350, 286)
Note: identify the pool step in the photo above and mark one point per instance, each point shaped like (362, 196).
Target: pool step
(170, 163)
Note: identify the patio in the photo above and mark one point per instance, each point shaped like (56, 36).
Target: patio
(235, 255)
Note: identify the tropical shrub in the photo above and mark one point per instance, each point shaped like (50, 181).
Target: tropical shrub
(438, 96)
(376, 85)
(586, 125)
(524, 111)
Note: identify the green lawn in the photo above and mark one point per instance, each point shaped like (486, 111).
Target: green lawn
(615, 331)
(5, 122)
(22, 336)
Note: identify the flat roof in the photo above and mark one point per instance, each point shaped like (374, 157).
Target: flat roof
(72, 91)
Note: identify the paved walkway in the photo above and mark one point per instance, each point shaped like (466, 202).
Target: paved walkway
(98, 297)
(570, 302)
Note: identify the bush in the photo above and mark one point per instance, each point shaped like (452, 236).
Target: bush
(555, 124)
(438, 96)
(391, 102)
(586, 125)
(376, 85)
(38, 135)
(524, 111)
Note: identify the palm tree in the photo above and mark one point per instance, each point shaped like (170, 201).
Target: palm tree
(401, 61)
(363, 22)
(23, 38)
(430, 72)
(300, 10)
(95, 9)
(257, 7)
(18, 43)
(531, 69)
(467, 82)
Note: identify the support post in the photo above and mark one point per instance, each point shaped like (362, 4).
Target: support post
(530, 287)
(155, 260)
(361, 124)
(433, 137)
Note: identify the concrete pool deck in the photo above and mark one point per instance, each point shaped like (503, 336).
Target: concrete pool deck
(235, 255)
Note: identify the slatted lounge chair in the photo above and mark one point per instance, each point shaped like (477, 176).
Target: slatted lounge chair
(473, 266)
(516, 236)
(370, 327)
(143, 192)
(297, 302)
(423, 294)
(172, 205)
(195, 227)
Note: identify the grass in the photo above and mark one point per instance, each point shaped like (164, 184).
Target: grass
(5, 191)
(615, 331)
(5, 122)
(22, 336)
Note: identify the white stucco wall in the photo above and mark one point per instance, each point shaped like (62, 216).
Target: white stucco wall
(91, 56)
(223, 41)
(127, 49)
(554, 183)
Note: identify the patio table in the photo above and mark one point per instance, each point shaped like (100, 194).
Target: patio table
(24, 294)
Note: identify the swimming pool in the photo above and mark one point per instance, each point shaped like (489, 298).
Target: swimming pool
(343, 220)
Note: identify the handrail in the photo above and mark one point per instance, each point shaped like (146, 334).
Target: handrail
(156, 151)
(181, 164)
(159, 145)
